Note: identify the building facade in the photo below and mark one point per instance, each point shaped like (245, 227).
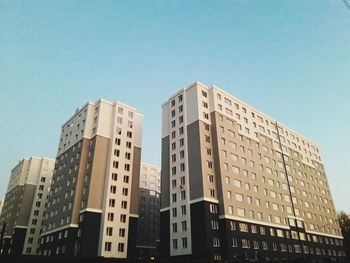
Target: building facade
(93, 205)
(149, 205)
(237, 184)
(24, 206)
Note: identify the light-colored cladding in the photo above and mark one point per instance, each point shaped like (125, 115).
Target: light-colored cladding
(150, 177)
(122, 125)
(257, 154)
(25, 201)
(26, 171)
(249, 163)
(1, 205)
(179, 113)
(79, 126)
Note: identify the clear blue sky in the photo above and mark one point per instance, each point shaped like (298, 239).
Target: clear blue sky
(289, 59)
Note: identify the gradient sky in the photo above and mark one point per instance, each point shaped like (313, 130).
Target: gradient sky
(289, 59)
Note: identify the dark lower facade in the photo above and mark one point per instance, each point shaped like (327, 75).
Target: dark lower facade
(244, 240)
(13, 245)
(62, 242)
(221, 238)
(74, 240)
(82, 240)
(148, 224)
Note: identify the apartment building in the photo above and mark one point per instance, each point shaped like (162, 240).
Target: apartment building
(149, 205)
(24, 206)
(93, 204)
(238, 184)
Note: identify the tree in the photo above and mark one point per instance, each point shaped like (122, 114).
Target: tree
(344, 222)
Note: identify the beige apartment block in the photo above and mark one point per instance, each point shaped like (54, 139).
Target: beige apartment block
(93, 206)
(236, 181)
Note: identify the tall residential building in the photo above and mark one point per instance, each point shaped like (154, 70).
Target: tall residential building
(93, 204)
(149, 204)
(236, 183)
(24, 206)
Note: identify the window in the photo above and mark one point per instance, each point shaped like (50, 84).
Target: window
(239, 197)
(182, 167)
(108, 246)
(240, 212)
(109, 231)
(184, 242)
(174, 227)
(124, 204)
(280, 233)
(115, 164)
(264, 245)
(212, 192)
(122, 232)
(181, 142)
(120, 247)
(181, 130)
(216, 242)
(174, 198)
(237, 183)
(214, 224)
(174, 212)
(235, 170)
(183, 210)
(122, 218)
(213, 208)
(272, 232)
(114, 176)
(245, 243)
(230, 209)
(182, 181)
(111, 202)
(126, 179)
(113, 189)
(174, 243)
(125, 191)
(256, 244)
(184, 226)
